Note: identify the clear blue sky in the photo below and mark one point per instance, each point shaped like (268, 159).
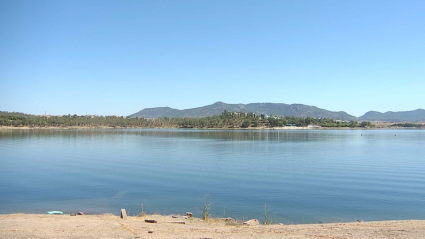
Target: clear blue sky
(118, 57)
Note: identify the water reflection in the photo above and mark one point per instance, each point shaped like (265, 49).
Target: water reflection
(232, 135)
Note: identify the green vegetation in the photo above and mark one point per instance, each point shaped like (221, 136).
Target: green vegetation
(142, 211)
(205, 210)
(19, 119)
(247, 120)
(226, 120)
(266, 215)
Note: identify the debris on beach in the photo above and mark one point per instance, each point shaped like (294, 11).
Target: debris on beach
(252, 222)
(54, 212)
(178, 222)
(123, 214)
(150, 221)
(226, 219)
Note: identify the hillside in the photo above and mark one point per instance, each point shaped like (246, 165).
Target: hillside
(400, 116)
(280, 109)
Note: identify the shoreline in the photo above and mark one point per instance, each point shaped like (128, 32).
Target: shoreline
(258, 128)
(177, 226)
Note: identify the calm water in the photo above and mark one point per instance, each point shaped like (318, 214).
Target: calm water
(302, 176)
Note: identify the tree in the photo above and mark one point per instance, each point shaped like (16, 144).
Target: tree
(353, 124)
(246, 123)
(365, 124)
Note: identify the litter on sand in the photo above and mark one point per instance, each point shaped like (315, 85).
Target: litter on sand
(55, 212)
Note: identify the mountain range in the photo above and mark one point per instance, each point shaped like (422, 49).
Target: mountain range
(279, 109)
(400, 116)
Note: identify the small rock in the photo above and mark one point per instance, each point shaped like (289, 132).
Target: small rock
(174, 216)
(150, 231)
(189, 214)
(252, 222)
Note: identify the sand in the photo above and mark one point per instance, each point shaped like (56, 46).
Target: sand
(110, 226)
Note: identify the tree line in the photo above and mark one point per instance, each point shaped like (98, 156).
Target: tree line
(225, 120)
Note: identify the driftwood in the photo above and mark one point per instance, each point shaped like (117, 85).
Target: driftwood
(150, 221)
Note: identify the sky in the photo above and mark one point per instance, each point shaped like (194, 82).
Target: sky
(119, 57)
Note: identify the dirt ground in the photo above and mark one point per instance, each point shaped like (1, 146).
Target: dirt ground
(109, 226)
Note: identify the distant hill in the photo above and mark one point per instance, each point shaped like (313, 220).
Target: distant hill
(279, 109)
(400, 116)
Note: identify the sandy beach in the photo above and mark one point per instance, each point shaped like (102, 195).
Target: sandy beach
(176, 226)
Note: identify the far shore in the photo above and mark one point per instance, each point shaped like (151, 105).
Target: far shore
(177, 226)
(379, 126)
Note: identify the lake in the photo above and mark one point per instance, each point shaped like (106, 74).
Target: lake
(303, 176)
